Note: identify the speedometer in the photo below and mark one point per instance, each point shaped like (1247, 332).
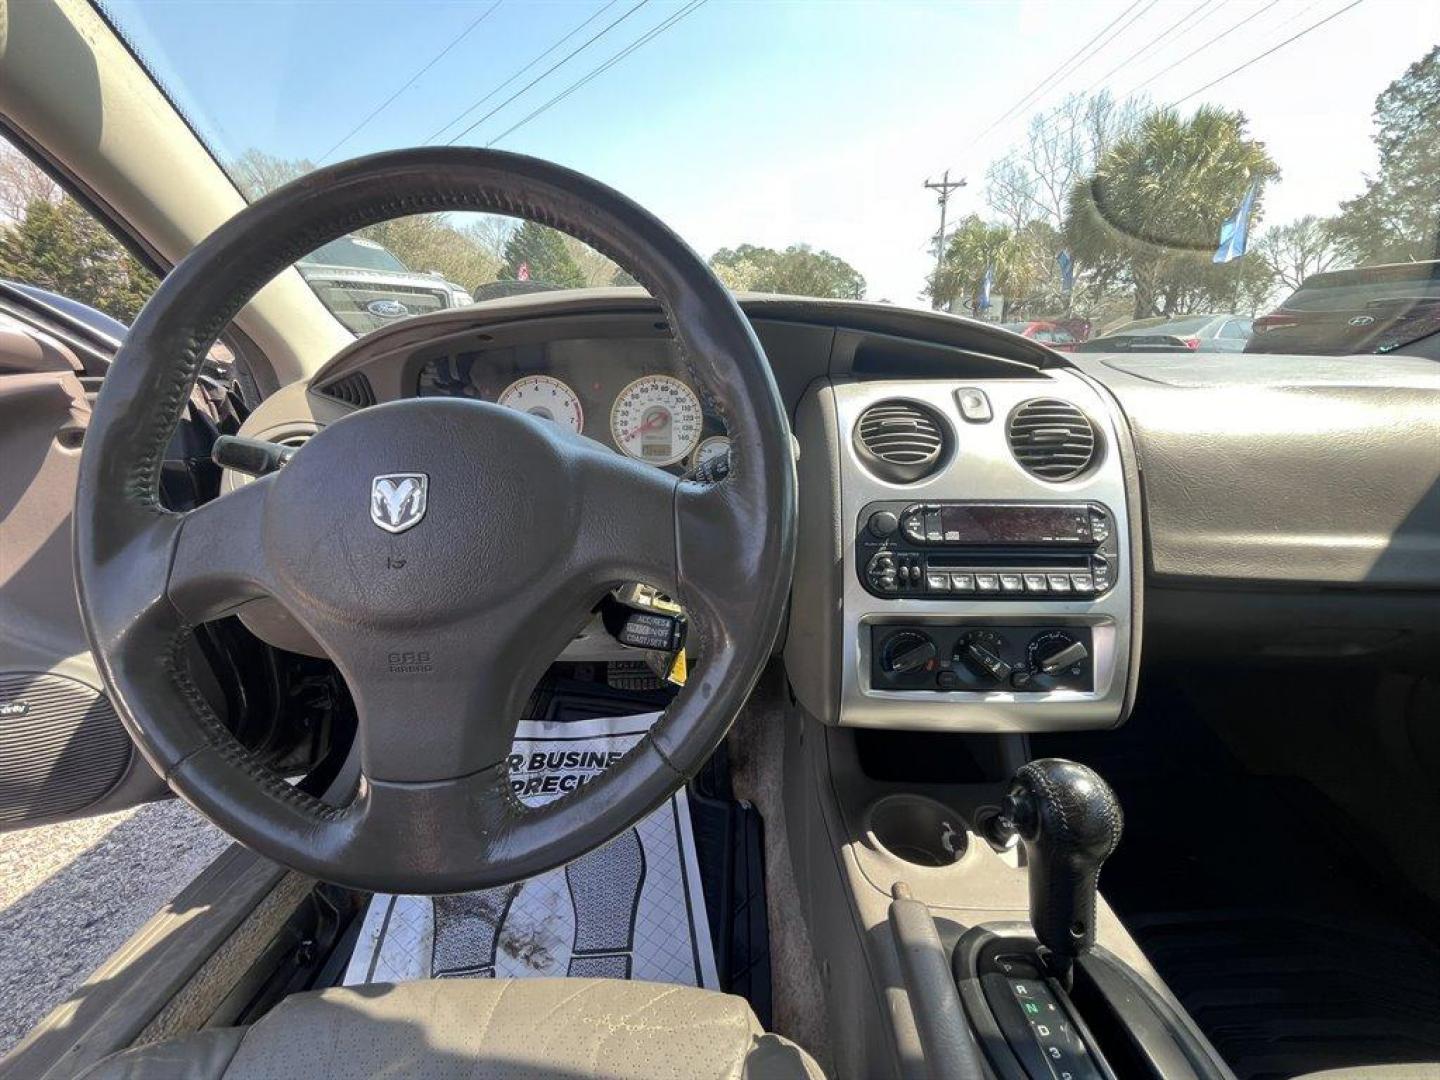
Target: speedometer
(656, 419)
(547, 398)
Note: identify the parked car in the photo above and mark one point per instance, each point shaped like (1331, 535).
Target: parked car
(367, 286)
(1369, 310)
(1049, 333)
(1189, 333)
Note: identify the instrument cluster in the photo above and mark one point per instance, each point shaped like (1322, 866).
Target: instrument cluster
(626, 394)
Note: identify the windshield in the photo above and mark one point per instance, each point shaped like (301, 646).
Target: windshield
(1083, 165)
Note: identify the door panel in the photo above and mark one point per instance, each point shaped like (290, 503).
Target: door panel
(63, 752)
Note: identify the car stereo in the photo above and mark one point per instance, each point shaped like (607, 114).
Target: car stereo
(987, 550)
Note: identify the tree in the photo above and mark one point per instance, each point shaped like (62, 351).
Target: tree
(1295, 251)
(257, 173)
(428, 242)
(1150, 215)
(595, 268)
(22, 182)
(977, 246)
(541, 251)
(799, 270)
(1397, 218)
(59, 246)
(1061, 146)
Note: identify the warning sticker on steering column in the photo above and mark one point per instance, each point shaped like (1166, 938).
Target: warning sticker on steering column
(631, 909)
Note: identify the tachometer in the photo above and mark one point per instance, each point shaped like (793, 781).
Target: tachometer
(656, 419)
(546, 397)
(711, 459)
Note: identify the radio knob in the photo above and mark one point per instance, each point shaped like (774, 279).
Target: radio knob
(883, 523)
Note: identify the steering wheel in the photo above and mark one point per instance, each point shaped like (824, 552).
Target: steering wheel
(515, 529)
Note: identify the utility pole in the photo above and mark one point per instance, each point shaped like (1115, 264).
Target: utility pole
(944, 186)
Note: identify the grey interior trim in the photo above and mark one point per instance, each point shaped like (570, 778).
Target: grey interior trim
(982, 468)
(950, 1050)
(1299, 470)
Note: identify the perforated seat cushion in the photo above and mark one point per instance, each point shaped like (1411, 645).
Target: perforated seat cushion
(482, 1029)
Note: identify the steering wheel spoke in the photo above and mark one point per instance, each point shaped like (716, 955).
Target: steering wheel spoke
(219, 560)
(440, 703)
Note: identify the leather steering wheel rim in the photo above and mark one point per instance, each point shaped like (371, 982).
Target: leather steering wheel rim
(524, 528)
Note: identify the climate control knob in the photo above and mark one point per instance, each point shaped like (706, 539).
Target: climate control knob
(979, 659)
(909, 650)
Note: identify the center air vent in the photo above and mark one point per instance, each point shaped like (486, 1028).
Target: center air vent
(1051, 439)
(900, 441)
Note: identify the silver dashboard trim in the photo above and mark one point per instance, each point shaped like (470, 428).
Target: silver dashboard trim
(981, 468)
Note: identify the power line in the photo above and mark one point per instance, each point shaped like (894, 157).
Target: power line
(1267, 52)
(595, 15)
(1199, 49)
(411, 81)
(621, 55)
(1048, 124)
(553, 67)
(1150, 44)
(1051, 77)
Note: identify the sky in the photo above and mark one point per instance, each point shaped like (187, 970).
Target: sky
(775, 123)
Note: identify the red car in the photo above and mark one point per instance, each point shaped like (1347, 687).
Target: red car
(1055, 334)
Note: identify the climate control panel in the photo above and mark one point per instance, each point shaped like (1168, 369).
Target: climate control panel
(981, 657)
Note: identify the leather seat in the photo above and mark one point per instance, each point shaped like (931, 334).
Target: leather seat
(482, 1029)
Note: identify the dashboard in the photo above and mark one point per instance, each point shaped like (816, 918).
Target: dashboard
(1234, 508)
(630, 394)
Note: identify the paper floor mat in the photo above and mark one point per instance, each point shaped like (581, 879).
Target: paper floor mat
(632, 909)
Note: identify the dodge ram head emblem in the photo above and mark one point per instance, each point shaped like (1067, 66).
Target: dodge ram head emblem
(397, 500)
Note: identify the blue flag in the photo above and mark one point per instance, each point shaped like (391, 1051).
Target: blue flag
(1236, 230)
(982, 301)
(1067, 270)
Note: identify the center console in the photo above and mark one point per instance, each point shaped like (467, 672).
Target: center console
(979, 570)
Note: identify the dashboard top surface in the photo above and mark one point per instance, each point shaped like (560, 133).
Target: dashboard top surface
(1262, 469)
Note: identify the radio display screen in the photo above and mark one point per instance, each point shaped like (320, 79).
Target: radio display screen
(979, 524)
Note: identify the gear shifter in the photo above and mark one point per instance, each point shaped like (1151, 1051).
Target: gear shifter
(1069, 822)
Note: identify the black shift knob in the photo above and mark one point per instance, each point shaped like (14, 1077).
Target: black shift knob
(1069, 822)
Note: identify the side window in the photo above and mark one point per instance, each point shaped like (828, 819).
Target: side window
(1236, 329)
(49, 242)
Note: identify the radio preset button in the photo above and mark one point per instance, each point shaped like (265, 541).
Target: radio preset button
(1058, 582)
(987, 583)
(1082, 583)
(962, 582)
(937, 582)
(1011, 583)
(1035, 583)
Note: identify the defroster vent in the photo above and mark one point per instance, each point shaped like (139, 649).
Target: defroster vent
(354, 389)
(1051, 439)
(900, 441)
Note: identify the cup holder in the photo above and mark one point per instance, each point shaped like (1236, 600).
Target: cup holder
(916, 830)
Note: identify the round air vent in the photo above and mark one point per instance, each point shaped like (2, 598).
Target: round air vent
(900, 441)
(1051, 439)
